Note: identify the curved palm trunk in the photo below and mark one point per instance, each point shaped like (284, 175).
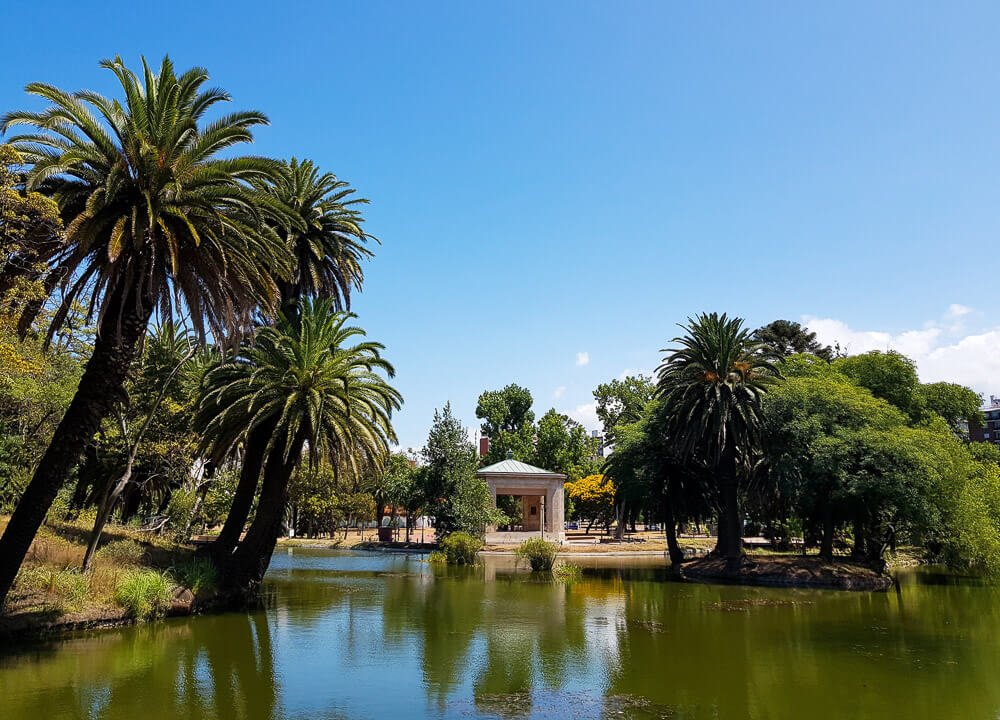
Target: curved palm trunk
(122, 326)
(254, 456)
(245, 569)
(246, 489)
(670, 527)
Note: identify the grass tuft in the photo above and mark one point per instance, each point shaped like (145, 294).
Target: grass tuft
(197, 574)
(143, 593)
(540, 554)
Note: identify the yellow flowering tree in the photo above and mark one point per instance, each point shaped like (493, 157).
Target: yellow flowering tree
(593, 499)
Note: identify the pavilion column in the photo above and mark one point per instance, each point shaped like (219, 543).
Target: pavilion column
(492, 485)
(554, 510)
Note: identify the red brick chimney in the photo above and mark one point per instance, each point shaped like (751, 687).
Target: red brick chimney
(484, 446)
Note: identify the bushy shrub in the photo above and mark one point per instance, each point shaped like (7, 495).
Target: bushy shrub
(123, 552)
(180, 512)
(460, 548)
(437, 558)
(539, 553)
(197, 574)
(143, 593)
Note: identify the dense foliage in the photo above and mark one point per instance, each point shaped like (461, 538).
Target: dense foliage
(455, 497)
(853, 453)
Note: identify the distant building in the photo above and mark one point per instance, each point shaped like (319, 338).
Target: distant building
(990, 431)
(599, 437)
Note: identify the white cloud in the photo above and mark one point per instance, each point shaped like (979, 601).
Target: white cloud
(942, 349)
(582, 358)
(559, 392)
(586, 415)
(956, 311)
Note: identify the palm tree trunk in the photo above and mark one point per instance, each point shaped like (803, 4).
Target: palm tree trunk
(84, 481)
(254, 452)
(670, 527)
(731, 541)
(123, 324)
(245, 570)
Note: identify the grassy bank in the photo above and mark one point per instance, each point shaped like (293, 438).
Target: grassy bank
(134, 577)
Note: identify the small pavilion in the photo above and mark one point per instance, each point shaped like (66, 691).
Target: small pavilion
(541, 493)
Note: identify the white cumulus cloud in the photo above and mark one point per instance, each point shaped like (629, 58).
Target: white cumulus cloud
(586, 415)
(956, 311)
(942, 349)
(559, 392)
(582, 358)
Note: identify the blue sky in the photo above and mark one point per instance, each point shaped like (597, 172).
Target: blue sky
(558, 178)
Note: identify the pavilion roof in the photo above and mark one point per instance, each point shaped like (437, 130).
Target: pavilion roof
(514, 467)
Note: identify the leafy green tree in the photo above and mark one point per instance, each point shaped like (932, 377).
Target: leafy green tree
(973, 537)
(358, 508)
(329, 398)
(314, 502)
(36, 387)
(456, 498)
(957, 404)
(154, 220)
(649, 477)
(810, 432)
(784, 337)
(711, 386)
(621, 402)
(888, 375)
(390, 486)
(562, 445)
(508, 422)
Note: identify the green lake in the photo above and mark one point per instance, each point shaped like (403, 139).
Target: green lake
(367, 635)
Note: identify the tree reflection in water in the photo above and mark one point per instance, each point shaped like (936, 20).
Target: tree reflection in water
(216, 667)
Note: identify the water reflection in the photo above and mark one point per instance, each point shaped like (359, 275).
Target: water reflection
(351, 635)
(219, 667)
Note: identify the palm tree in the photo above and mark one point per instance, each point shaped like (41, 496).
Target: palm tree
(319, 394)
(155, 221)
(328, 245)
(711, 388)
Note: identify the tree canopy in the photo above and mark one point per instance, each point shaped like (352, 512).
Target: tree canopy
(785, 337)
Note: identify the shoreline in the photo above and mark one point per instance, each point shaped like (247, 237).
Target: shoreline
(768, 570)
